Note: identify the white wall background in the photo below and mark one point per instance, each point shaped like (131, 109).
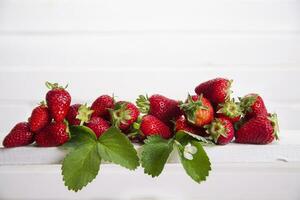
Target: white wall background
(137, 46)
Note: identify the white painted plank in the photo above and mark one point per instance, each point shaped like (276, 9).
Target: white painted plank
(275, 85)
(227, 181)
(137, 15)
(285, 150)
(148, 50)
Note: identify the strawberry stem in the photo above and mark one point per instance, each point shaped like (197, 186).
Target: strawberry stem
(216, 129)
(84, 114)
(52, 86)
(143, 103)
(274, 121)
(120, 114)
(191, 106)
(230, 108)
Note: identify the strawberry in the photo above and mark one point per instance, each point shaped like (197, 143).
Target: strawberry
(221, 130)
(229, 110)
(159, 106)
(216, 90)
(102, 105)
(181, 124)
(60, 132)
(58, 101)
(253, 105)
(55, 134)
(44, 139)
(151, 125)
(20, 135)
(262, 129)
(124, 115)
(198, 110)
(39, 118)
(72, 115)
(98, 125)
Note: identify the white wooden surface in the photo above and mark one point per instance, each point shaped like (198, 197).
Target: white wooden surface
(238, 172)
(286, 150)
(138, 46)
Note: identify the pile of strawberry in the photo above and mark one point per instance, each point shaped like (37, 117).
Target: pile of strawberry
(210, 113)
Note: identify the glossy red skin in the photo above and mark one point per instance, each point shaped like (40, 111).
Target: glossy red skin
(59, 132)
(40, 117)
(182, 124)
(55, 134)
(215, 90)
(257, 130)
(98, 125)
(203, 117)
(72, 113)
(163, 108)
(58, 102)
(44, 139)
(134, 114)
(230, 132)
(20, 135)
(101, 105)
(257, 108)
(151, 125)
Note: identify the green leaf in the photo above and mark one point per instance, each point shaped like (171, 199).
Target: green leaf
(114, 146)
(80, 135)
(155, 153)
(81, 166)
(186, 136)
(198, 168)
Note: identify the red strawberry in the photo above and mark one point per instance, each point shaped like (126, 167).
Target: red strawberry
(102, 105)
(44, 139)
(216, 90)
(59, 131)
(124, 115)
(262, 129)
(159, 106)
(58, 101)
(39, 118)
(98, 125)
(230, 110)
(221, 130)
(150, 125)
(181, 124)
(198, 110)
(55, 134)
(72, 115)
(253, 105)
(20, 135)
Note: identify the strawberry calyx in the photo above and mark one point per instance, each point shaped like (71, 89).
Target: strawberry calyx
(274, 122)
(53, 86)
(228, 89)
(120, 114)
(43, 104)
(216, 129)
(247, 102)
(143, 103)
(230, 108)
(135, 129)
(190, 107)
(67, 129)
(84, 114)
